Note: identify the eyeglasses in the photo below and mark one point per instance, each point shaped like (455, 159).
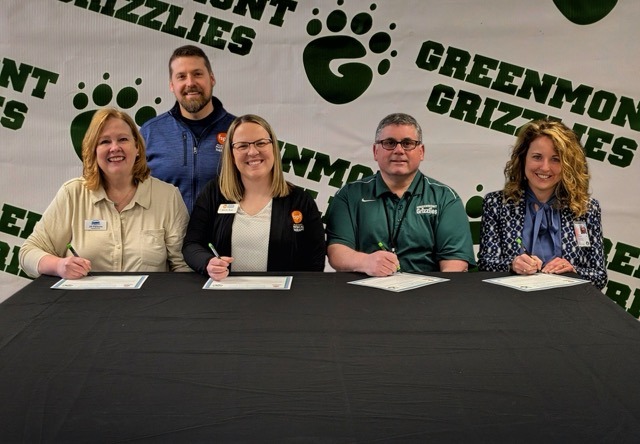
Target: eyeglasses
(260, 144)
(406, 144)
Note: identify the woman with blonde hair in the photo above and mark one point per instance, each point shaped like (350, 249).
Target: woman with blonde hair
(544, 219)
(254, 219)
(116, 216)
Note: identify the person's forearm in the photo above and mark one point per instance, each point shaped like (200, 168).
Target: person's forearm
(343, 258)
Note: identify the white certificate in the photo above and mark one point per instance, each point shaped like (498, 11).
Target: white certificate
(399, 281)
(250, 283)
(109, 282)
(536, 282)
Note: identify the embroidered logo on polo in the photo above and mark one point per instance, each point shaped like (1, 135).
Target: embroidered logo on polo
(220, 138)
(296, 216)
(427, 209)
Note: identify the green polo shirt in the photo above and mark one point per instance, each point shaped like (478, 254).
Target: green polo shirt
(428, 224)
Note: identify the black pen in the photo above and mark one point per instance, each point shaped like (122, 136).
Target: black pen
(75, 253)
(524, 250)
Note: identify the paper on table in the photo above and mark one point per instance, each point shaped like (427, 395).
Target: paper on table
(250, 283)
(108, 282)
(399, 281)
(536, 282)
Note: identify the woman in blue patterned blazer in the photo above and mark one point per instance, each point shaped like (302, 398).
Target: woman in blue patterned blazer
(544, 219)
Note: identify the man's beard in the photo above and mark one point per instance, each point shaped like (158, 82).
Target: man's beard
(195, 105)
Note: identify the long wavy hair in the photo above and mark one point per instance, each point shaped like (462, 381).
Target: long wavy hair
(573, 189)
(230, 181)
(91, 172)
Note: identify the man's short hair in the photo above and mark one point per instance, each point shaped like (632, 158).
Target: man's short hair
(189, 51)
(399, 119)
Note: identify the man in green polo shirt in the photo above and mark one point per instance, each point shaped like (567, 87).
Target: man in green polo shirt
(398, 219)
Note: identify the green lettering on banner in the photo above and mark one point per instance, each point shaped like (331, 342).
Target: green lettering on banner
(621, 258)
(14, 114)
(18, 76)
(622, 152)
(480, 70)
(532, 84)
(300, 160)
(506, 75)
(323, 167)
(10, 217)
(11, 264)
(620, 294)
(163, 16)
(627, 112)
(507, 118)
(291, 157)
(565, 93)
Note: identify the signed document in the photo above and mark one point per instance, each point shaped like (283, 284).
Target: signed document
(535, 282)
(250, 283)
(109, 282)
(399, 281)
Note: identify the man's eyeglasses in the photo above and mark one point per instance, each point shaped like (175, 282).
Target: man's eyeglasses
(406, 144)
(260, 144)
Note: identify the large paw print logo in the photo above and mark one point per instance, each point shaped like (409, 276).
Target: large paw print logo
(102, 96)
(324, 54)
(585, 12)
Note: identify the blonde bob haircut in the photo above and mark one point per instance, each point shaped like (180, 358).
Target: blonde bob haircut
(573, 189)
(91, 172)
(230, 182)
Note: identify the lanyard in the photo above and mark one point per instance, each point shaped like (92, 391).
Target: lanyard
(393, 233)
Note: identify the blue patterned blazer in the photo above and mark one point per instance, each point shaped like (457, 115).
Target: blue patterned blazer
(502, 224)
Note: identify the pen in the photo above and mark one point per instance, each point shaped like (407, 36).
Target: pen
(524, 249)
(384, 248)
(75, 253)
(213, 250)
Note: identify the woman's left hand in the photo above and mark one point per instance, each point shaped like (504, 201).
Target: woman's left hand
(558, 265)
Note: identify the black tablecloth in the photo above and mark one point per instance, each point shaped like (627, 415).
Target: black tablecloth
(325, 362)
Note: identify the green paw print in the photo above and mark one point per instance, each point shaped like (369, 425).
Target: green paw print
(585, 12)
(473, 209)
(352, 78)
(102, 96)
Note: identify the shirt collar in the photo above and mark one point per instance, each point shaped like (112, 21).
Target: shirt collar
(382, 188)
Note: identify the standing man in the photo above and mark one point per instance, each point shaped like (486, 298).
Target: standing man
(398, 219)
(184, 144)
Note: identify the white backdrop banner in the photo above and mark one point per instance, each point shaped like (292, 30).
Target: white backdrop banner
(324, 73)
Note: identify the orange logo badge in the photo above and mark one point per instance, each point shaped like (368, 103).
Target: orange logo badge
(221, 138)
(296, 216)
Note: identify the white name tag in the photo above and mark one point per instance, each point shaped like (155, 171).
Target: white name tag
(228, 208)
(581, 234)
(95, 225)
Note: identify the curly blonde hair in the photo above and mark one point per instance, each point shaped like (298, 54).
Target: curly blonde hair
(93, 176)
(573, 189)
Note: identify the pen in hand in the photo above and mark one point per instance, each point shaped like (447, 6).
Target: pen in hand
(75, 253)
(213, 250)
(384, 248)
(524, 249)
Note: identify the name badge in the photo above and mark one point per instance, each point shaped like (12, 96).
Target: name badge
(95, 225)
(228, 208)
(581, 234)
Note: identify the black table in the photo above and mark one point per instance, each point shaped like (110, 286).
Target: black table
(325, 362)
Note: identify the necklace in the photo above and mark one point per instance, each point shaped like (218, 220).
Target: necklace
(125, 199)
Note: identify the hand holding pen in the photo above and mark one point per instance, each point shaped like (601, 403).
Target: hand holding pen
(382, 262)
(525, 263)
(218, 266)
(73, 267)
